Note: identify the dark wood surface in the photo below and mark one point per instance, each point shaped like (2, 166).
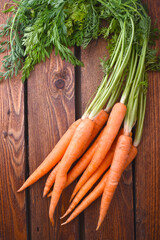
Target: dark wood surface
(32, 119)
(147, 165)
(51, 109)
(12, 157)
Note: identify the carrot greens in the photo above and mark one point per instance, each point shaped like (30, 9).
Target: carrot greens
(36, 27)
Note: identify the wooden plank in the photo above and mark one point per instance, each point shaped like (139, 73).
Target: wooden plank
(147, 166)
(51, 109)
(119, 222)
(12, 156)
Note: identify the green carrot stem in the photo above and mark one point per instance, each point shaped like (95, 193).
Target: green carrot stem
(132, 69)
(103, 83)
(114, 96)
(117, 76)
(140, 120)
(131, 115)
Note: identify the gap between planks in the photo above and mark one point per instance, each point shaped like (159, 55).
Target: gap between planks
(27, 193)
(78, 114)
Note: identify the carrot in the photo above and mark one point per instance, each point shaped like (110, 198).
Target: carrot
(96, 193)
(55, 156)
(132, 155)
(81, 164)
(98, 190)
(99, 121)
(49, 194)
(92, 180)
(77, 145)
(85, 160)
(50, 180)
(79, 167)
(112, 149)
(119, 160)
(104, 144)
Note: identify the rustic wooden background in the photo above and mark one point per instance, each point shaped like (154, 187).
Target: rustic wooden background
(34, 116)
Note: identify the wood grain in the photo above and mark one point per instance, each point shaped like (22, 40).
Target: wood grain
(119, 222)
(51, 109)
(147, 165)
(12, 156)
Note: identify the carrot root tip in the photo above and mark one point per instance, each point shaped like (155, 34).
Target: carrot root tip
(52, 221)
(44, 193)
(64, 215)
(19, 190)
(64, 223)
(98, 226)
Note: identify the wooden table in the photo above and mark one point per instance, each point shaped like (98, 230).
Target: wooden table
(34, 116)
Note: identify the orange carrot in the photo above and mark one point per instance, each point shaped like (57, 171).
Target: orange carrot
(98, 190)
(96, 193)
(55, 156)
(99, 121)
(49, 194)
(92, 180)
(77, 145)
(50, 180)
(110, 132)
(119, 161)
(81, 164)
(85, 160)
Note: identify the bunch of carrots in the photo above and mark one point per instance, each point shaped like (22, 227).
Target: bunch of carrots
(101, 141)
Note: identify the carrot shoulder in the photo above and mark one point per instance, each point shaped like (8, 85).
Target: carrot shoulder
(53, 158)
(99, 122)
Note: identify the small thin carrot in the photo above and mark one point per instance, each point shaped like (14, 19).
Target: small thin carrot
(119, 161)
(92, 180)
(50, 180)
(99, 121)
(53, 158)
(77, 145)
(98, 190)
